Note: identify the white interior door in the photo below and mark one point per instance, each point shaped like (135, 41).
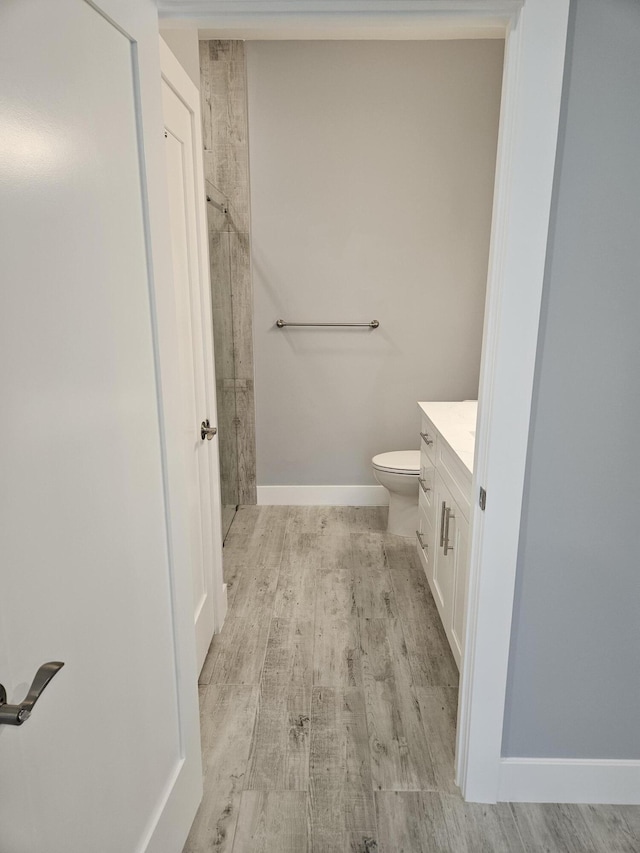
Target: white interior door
(95, 561)
(183, 145)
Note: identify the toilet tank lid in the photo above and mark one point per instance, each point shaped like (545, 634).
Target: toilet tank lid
(398, 461)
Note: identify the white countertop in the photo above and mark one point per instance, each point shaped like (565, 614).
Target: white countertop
(456, 423)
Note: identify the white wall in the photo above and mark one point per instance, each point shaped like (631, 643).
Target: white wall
(371, 185)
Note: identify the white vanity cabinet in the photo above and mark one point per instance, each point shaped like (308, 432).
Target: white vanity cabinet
(447, 438)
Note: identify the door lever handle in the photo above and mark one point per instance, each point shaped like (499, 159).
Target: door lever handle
(207, 431)
(15, 715)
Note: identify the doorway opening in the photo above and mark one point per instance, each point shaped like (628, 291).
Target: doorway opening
(535, 43)
(353, 213)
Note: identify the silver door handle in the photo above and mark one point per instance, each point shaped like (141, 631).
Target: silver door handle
(16, 715)
(426, 438)
(425, 547)
(207, 431)
(444, 509)
(448, 516)
(423, 485)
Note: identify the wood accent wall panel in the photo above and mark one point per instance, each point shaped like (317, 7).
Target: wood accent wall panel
(223, 92)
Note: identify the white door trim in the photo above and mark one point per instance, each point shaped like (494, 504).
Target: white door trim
(341, 19)
(168, 827)
(532, 90)
(178, 80)
(535, 33)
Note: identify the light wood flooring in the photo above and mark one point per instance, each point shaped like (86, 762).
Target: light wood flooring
(328, 706)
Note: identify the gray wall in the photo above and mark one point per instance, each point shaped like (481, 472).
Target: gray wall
(574, 681)
(371, 185)
(184, 46)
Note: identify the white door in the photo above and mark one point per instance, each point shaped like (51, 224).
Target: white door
(95, 561)
(183, 146)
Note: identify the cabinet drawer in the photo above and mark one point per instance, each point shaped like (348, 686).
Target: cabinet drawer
(428, 436)
(426, 480)
(455, 476)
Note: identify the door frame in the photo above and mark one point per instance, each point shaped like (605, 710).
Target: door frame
(535, 34)
(167, 828)
(181, 84)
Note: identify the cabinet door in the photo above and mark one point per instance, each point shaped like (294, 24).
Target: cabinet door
(443, 565)
(426, 542)
(458, 537)
(450, 569)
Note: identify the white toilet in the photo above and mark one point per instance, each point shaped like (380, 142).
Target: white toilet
(398, 472)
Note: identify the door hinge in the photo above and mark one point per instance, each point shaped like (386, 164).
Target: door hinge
(482, 500)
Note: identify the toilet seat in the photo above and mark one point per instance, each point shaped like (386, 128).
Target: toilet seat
(398, 462)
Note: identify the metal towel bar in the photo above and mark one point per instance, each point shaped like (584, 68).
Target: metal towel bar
(221, 207)
(373, 324)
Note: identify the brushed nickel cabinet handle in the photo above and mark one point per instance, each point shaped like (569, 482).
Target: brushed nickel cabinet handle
(423, 545)
(448, 516)
(444, 509)
(426, 438)
(423, 485)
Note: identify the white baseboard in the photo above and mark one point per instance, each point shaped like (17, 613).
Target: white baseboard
(567, 780)
(322, 496)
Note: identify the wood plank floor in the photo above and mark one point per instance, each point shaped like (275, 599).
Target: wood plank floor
(328, 706)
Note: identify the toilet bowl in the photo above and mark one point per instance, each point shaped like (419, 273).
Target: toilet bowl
(398, 472)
